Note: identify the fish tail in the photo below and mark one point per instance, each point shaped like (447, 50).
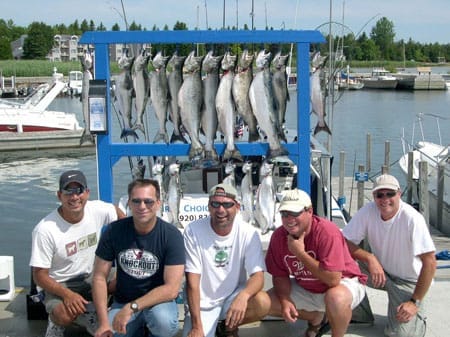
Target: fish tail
(128, 132)
(87, 137)
(323, 127)
(177, 138)
(277, 153)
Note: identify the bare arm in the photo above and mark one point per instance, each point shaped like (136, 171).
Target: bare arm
(376, 271)
(193, 299)
(173, 277)
(73, 302)
(407, 310)
(120, 213)
(238, 307)
(102, 269)
(282, 289)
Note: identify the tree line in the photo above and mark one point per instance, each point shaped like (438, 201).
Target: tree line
(380, 44)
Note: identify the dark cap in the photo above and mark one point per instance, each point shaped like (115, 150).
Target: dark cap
(72, 176)
(224, 190)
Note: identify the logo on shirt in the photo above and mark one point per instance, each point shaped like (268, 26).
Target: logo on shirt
(221, 258)
(297, 268)
(138, 263)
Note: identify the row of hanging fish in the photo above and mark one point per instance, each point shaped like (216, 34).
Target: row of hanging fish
(202, 95)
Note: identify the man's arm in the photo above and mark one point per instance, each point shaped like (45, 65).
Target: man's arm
(426, 275)
(193, 300)
(238, 307)
(120, 213)
(173, 277)
(102, 269)
(282, 289)
(376, 271)
(74, 302)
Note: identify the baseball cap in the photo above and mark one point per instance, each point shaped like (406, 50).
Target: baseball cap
(72, 176)
(387, 182)
(294, 200)
(224, 190)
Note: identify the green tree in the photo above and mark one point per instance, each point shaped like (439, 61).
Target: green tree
(115, 27)
(39, 41)
(84, 27)
(101, 27)
(383, 36)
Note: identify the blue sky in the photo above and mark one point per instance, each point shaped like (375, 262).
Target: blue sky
(423, 21)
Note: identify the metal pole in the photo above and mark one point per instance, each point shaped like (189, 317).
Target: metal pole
(440, 195)
(368, 149)
(341, 197)
(424, 205)
(410, 182)
(223, 16)
(387, 151)
(360, 187)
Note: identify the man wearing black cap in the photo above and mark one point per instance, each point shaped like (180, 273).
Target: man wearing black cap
(402, 258)
(221, 250)
(63, 252)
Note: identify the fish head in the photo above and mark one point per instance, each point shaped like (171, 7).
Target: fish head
(266, 168)
(142, 60)
(192, 63)
(125, 61)
(160, 61)
(279, 60)
(210, 62)
(263, 59)
(176, 61)
(229, 167)
(86, 60)
(247, 167)
(228, 61)
(246, 59)
(174, 169)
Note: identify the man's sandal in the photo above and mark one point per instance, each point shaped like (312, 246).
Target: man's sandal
(317, 330)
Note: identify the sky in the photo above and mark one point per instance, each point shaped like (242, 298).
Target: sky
(421, 21)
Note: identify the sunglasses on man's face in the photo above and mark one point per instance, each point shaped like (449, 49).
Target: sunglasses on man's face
(285, 214)
(390, 194)
(147, 202)
(217, 204)
(73, 190)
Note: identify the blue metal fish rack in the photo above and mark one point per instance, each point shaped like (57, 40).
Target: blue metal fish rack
(109, 153)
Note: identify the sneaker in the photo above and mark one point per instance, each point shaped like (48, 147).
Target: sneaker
(88, 320)
(223, 331)
(54, 330)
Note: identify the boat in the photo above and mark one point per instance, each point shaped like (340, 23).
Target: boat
(28, 124)
(345, 82)
(75, 83)
(32, 114)
(380, 78)
(436, 156)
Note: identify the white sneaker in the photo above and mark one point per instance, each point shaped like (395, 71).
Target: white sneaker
(88, 320)
(54, 330)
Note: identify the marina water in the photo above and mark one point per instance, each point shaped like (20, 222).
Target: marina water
(28, 183)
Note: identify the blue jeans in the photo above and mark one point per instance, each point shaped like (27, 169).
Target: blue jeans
(161, 320)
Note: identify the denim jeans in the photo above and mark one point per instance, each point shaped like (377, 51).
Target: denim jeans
(161, 320)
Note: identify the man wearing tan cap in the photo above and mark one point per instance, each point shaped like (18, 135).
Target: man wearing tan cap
(402, 259)
(314, 277)
(221, 250)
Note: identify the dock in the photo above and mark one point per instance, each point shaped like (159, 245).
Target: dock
(14, 322)
(41, 140)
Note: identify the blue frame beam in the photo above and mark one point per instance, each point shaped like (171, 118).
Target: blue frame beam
(108, 153)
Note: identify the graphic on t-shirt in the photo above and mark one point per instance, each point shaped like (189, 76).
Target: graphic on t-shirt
(71, 248)
(221, 258)
(297, 268)
(138, 263)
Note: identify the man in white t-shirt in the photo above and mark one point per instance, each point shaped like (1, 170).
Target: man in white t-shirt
(63, 252)
(402, 258)
(221, 250)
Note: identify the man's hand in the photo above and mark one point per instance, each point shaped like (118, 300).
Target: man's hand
(121, 320)
(104, 331)
(377, 275)
(75, 303)
(406, 311)
(289, 311)
(236, 312)
(296, 245)
(196, 332)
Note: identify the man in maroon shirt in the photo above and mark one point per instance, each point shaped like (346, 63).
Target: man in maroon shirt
(314, 276)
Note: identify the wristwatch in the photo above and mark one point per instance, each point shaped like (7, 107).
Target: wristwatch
(416, 302)
(134, 306)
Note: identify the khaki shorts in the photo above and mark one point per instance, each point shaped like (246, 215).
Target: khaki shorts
(80, 286)
(308, 301)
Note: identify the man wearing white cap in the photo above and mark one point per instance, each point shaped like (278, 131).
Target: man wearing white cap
(314, 276)
(224, 270)
(402, 258)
